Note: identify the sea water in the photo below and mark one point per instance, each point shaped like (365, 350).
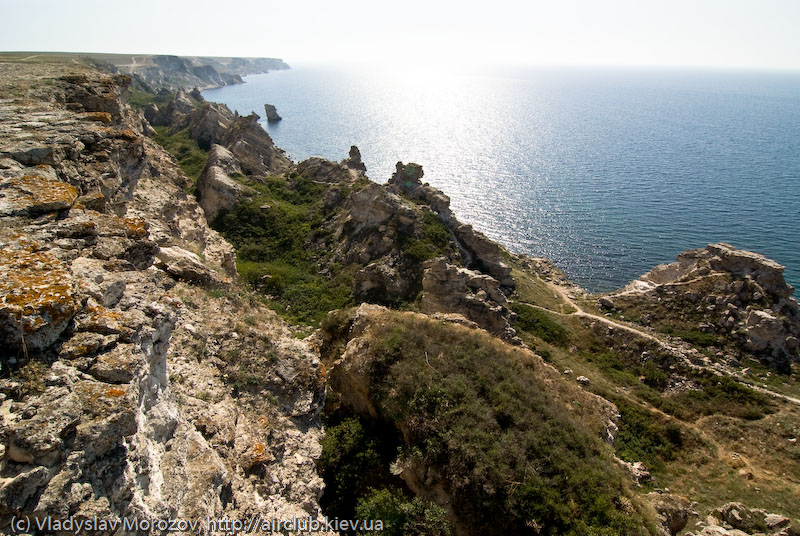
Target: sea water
(605, 172)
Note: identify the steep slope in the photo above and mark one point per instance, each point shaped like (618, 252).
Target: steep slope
(132, 385)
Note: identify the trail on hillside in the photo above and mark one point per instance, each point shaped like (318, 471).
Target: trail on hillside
(580, 312)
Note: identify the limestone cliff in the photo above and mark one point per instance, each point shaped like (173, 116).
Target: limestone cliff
(135, 381)
(176, 72)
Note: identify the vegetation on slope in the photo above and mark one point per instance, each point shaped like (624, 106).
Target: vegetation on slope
(191, 158)
(272, 232)
(482, 414)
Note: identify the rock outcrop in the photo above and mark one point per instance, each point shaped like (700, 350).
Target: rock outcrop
(211, 123)
(217, 187)
(477, 296)
(735, 519)
(673, 511)
(479, 252)
(128, 389)
(272, 113)
(737, 296)
(354, 160)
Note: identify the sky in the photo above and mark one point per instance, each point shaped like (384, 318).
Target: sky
(759, 34)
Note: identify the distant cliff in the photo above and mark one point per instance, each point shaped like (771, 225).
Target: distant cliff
(173, 72)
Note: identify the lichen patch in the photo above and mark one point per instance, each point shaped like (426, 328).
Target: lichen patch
(31, 194)
(37, 298)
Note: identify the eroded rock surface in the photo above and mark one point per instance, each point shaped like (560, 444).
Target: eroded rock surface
(126, 390)
(738, 297)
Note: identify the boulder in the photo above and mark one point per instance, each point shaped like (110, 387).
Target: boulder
(217, 189)
(673, 511)
(187, 266)
(605, 303)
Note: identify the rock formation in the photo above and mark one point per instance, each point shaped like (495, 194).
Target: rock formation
(354, 160)
(738, 296)
(479, 252)
(128, 390)
(272, 113)
(451, 289)
(217, 188)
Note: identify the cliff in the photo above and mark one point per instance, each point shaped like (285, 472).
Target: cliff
(184, 308)
(137, 381)
(154, 71)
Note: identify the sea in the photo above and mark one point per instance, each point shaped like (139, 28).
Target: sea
(606, 172)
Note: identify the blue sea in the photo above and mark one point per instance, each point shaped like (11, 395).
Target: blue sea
(605, 172)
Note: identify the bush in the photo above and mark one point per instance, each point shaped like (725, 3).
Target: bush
(539, 323)
(645, 437)
(723, 395)
(191, 158)
(273, 253)
(349, 459)
(403, 516)
(479, 414)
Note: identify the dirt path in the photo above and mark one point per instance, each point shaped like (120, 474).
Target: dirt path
(560, 291)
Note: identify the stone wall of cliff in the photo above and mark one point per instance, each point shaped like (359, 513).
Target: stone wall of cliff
(135, 380)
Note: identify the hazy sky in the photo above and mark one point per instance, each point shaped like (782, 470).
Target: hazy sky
(720, 33)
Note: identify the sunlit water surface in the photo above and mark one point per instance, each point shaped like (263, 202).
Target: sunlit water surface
(605, 172)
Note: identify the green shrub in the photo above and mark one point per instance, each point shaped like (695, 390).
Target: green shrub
(403, 516)
(645, 437)
(723, 395)
(694, 336)
(273, 253)
(140, 100)
(191, 158)
(539, 323)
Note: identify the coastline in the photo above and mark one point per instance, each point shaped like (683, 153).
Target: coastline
(195, 326)
(604, 219)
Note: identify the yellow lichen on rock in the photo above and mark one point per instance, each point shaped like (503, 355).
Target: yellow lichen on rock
(37, 298)
(34, 194)
(135, 227)
(103, 117)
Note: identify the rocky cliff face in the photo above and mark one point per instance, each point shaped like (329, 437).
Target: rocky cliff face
(176, 72)
(131, 384)
(738, 298)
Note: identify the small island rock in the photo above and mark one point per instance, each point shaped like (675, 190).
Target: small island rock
(272, 113)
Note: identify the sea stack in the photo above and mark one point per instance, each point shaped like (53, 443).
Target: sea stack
(272, 113)
(354, 161)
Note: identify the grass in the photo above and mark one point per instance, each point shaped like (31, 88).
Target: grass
(433, 241)
(273, 248)
(693, 336)
(647, 437)
(721, 395)
(191, 158)
(539, 323)
(530, 288)
(140, 100)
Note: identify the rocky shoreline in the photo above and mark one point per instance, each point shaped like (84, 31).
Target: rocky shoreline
(145, 372)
